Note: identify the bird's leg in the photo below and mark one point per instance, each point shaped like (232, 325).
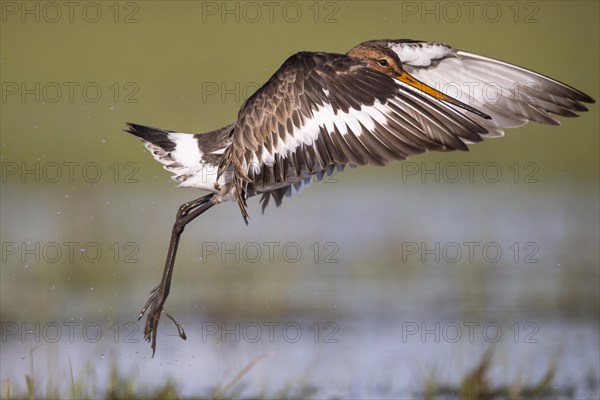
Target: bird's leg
(186, 213)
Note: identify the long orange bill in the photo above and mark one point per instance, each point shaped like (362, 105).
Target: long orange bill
(410, 80)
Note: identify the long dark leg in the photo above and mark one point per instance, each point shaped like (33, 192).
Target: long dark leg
(186, 213)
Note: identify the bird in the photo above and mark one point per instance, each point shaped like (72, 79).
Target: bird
(382, 101)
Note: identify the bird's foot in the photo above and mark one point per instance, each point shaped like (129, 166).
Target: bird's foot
(154, 305)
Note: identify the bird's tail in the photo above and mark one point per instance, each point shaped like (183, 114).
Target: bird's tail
(157, 137)
(178, 152)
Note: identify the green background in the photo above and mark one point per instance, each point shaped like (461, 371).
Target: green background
(163, 56)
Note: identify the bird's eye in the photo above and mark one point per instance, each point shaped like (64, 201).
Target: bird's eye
(383, 62)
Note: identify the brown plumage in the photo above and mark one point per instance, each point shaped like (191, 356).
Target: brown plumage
(383, 100)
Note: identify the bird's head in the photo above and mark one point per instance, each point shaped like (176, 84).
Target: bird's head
(378, 56)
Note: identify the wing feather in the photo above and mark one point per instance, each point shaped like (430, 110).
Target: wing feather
(510, 94)
(321, 111)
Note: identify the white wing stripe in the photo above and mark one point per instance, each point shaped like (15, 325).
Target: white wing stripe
(420, 54)
(351, 122)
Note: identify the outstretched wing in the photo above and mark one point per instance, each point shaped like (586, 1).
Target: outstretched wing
(322, 109)
(511, 95)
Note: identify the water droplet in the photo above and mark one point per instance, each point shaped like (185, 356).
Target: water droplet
(108, 203)
(52, 287)
(67, 196)
(92, 288)
(58, 212)
(103, 140)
